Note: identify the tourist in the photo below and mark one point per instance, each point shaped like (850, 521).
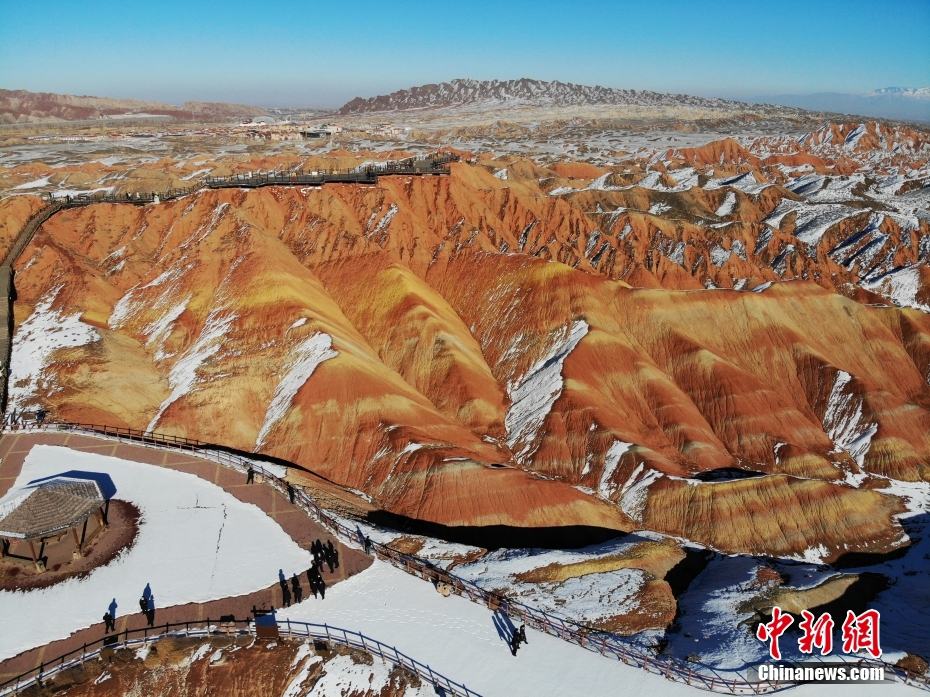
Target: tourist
(250, 475)
(108, 622)
(298, 590)
(311, 581)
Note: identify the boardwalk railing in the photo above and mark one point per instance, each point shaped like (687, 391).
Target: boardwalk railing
(367, 174)
(225, 627)
(606, 643)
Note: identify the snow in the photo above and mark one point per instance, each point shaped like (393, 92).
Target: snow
(719, 256)
(612, 457)
(307, 355)
(653, 180)
(159, 330)
(192, 175)
(200, 652)
(35, 184)
(745, 182)
(501, 174)
(195, 543)
(134, 300)
(854, 136)
(900, 286)
(659, 208)
(458, 638)
(200, 234)
(385, 220)
(726, 208)
(635, 491)
(183, 375)
(532, 396)
(842, 419)
(813, 220)
(815, 554)
(309, 662)
(62, 193)
(45, 331)
(343, 676)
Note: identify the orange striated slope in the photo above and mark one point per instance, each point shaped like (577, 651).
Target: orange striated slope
(468, 351)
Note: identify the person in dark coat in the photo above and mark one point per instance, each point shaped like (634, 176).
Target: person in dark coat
(298, 590)
(144, 605)
(150, 613)
(333, 553)
(311, 581)
(109, 624)
(522, 634)
(286, 593)
(250, 475)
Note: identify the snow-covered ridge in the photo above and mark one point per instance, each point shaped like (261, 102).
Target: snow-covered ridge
(843, 419)
(533, 395)
(524, 91)
(45, 331)
(307, 355)
(184, 373)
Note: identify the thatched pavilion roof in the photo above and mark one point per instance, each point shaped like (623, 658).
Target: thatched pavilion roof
(49, 508)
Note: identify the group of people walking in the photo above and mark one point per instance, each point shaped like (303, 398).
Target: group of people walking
(146, 606)
(323, 554)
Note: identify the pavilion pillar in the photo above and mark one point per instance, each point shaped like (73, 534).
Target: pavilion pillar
(37, 556)
(78, 552)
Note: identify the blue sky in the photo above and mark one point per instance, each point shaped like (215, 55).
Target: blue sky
(322, 53)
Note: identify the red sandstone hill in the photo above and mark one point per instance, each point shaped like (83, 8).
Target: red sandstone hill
(521, 343)
(380, 337)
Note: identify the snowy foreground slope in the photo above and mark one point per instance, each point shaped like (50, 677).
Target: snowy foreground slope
(195, 543)
(458, 638)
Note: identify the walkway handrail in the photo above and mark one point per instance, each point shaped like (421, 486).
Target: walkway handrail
(233, 627)
(431, 165)
(729, 681)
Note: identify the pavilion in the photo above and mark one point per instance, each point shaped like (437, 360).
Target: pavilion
(44, 512)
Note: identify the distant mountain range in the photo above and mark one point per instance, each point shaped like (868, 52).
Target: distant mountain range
(521, 92)
(21, 106)
(905, 103)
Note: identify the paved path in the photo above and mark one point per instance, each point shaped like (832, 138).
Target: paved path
(303, 530)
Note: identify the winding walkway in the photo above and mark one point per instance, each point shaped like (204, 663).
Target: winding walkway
(295, 522)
